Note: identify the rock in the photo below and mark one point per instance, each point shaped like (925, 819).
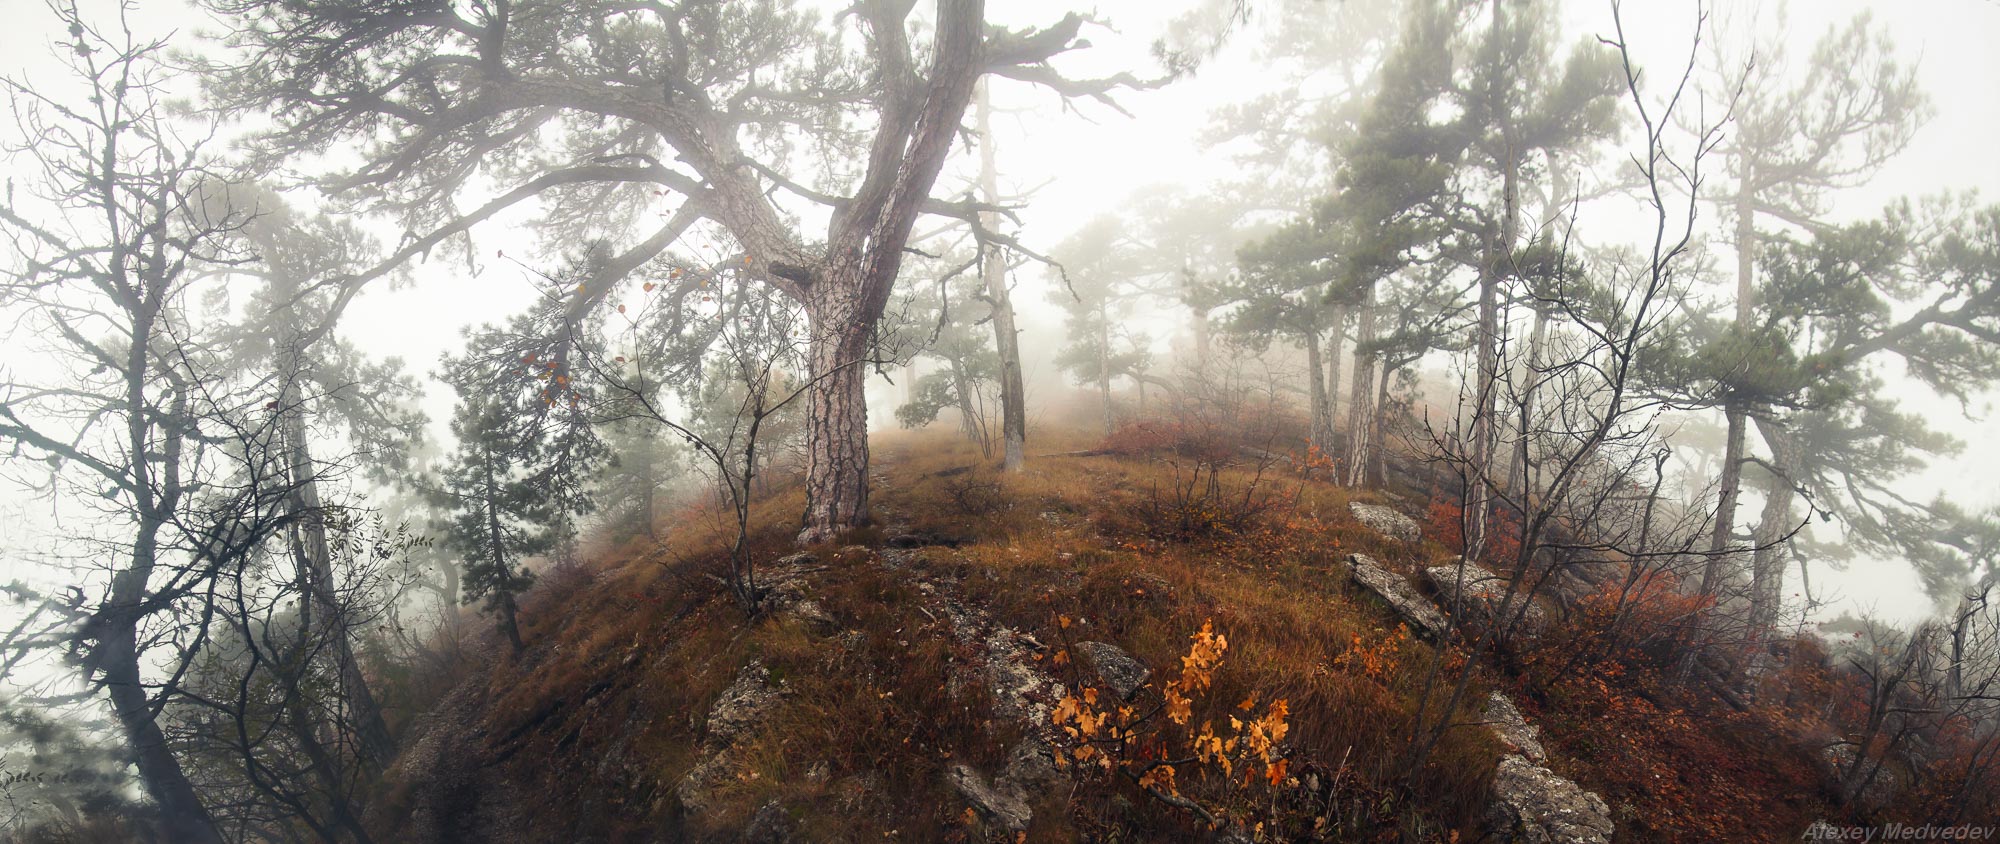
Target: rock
(1031, 765)
(1506, 722)
(1532, 804)
(1836, 759)
(1483, 591)
(737, 711)
(742, 706)
(999, 805)
(1386, 521)
(1116, 668)
(771, 825)
(1397, 593)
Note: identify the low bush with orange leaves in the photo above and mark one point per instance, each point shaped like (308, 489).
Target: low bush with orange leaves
(1220, 777)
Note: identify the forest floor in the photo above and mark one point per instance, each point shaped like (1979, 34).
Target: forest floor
(909, 682)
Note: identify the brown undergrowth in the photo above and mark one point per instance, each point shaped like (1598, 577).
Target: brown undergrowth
(591, 728)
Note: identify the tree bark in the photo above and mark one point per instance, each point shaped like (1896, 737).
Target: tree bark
(371, 732)
(1006, 338)
(1734, 411)
(1360, 409)
(1492, 270)
(1373, 467)
(1517, 475)
(1336, 342)
(181, 815)
(496, 547)
(1767, 569)
(836, 416)
(1320, 438)
(845, 297)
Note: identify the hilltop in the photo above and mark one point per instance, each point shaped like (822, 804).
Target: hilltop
(942, 676)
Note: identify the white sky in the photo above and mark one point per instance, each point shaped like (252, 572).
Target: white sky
(1087, 163)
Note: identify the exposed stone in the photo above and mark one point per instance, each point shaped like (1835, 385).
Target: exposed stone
(1116, 668)
(1397, 593)
(738, 710)
(1002, 805)
(1534, 805)
(1031, 765)
(1386, 521)
(1506, 722)
(1836, 759)
(1482, 593)
(771, 825)
(742, 706)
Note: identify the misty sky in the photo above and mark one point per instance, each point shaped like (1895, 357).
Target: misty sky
(1087, 161)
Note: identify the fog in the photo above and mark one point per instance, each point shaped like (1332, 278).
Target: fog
(1139, 152)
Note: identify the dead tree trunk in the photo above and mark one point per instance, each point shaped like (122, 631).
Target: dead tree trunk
(1006, 339)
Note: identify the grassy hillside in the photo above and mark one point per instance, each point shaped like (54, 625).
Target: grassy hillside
(893, 667)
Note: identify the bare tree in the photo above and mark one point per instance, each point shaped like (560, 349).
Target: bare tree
(130, 426)
(1579, 407)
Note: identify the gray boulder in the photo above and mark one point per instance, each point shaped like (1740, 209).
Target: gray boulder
(1481, 599)
(1531, 804)
(1506, 722)
(740, 709)
(1386, 521)
(1122, 673)
(1422, 615)
(1001, 804)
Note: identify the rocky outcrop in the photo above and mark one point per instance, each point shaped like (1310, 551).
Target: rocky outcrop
(1003, 804)
(771, 825)
(1838, 760)
(1506, 722)
(1119, 671)
(1532, 804)
(1386, 521)
(1399, 595)
(787, 594)
(1478, 593)
(739, 710)
(1021, 692)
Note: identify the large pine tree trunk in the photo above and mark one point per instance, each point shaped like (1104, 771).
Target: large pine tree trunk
(1336, 342)
(1320, 438)
(1006, 339)
(1767, 568)
(371, 732)
(1360, 409)
(1519, 456)
(1720, 560)
(1374, 468)
(837, 412)
(1494, 267)
(847, 294)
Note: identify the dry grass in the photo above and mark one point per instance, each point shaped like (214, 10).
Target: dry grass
(601, 717)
